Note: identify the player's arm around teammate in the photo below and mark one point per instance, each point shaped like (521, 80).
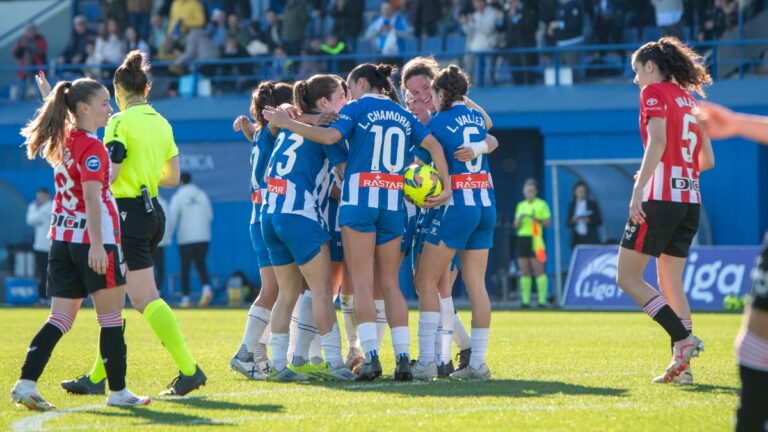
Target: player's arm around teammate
(464, 224)
(85, 255)
(752, 341)
(664, 209)
(251, 358)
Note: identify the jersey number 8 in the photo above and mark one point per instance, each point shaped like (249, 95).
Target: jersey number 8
(382, 149)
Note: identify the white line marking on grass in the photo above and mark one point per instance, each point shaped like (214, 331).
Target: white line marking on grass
(36, 422)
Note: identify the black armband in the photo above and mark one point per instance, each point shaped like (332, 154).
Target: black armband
(117, 151)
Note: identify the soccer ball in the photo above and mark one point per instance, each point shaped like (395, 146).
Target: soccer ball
(421, 182)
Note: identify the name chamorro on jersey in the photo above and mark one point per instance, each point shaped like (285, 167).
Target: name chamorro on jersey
(394, 116)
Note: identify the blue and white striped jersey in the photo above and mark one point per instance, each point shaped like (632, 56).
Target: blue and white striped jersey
(298, 170)
(261, 150)
(379, 132)
(471, 181)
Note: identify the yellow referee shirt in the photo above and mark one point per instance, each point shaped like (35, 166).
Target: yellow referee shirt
(148, 140)
(537, 208)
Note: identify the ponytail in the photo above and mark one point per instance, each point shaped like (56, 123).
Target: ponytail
(454, 84)
(676, 61)
(269, 93)
(46, 134)
(307, 93)
(378, 78)
(300, 96)
(133, 75)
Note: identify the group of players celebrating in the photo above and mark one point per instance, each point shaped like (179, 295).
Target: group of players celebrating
(329, 218)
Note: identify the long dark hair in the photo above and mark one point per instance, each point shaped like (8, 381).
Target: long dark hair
(47, 132)
(579, 184)
(454, 84)
(269, 93)
(377, 77)
(307, 93)
(677, 61)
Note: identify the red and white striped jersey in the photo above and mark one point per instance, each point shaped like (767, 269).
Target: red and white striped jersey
(85, 159)
(676, 178)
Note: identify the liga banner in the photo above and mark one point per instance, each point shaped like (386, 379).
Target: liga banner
(711, 273)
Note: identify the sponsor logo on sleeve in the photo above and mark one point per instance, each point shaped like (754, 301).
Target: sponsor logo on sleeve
(652, 102)
(93, 164)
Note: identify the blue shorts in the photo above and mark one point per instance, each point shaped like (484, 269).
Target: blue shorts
(259, 245)
(409, 236)
(464, 227)
(422, 229)
(292, 238)
(387, 224)
(337, 251)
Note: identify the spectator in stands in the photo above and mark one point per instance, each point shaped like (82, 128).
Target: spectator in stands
(313, 65)
(281, 65)
(669, 17)
(159, 41)
(348, 20)
(217, 27)
(518, 24)
(134, 42)
(39, 217)
(608, 23)
(139, 12)
(185, 15)
(638, 14)
(191, 216)
(237, 31)
(241, 8)
(272, 33)
(715, 19)
(335, 47)
(93, 64)
(75, 53)
(295, 18)
(584, 217)
(388, 31)
(567, 29)
(197, 46)
(30, 50)
(116, 10)
(480, 29)
(110, 46)
(425, 15)
(233, 50)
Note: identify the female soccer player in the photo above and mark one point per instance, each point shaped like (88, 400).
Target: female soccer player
(379, 131)
(85, 255)
(464, 224)
(531, 217)
(664, 209)
(251, 359)
(752, 341)
(417, 78)
(296, 239)
(144, 156)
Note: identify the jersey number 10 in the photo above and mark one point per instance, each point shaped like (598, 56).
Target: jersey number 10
(382, 149)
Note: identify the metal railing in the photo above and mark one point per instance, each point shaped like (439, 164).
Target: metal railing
(725, 59)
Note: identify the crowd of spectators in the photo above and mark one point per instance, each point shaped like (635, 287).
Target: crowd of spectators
(183, 31)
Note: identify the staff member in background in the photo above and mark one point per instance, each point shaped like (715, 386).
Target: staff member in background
(144, 156)
(583, 216)
(191, 217)
(39, 217)
(531, 217)
(158, 255)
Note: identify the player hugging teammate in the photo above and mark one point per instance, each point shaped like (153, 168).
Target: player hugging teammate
(317, 140)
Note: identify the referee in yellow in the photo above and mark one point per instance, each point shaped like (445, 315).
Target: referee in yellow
(144, 156)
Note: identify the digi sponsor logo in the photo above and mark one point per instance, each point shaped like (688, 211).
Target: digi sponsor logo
(92, 164)
(682, 183)
(598, 279)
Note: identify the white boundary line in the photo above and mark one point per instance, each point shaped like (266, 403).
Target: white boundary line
(37, 422)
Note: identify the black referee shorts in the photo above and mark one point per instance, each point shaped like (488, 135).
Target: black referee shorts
(668, 229)
(141, 232)
(69, 275)
(760, 281)
(524, 247)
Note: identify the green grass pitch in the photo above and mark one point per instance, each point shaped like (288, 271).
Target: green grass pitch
(551, 370)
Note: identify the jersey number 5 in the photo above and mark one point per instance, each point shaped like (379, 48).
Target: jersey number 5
(690, 136)
(382, 149)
